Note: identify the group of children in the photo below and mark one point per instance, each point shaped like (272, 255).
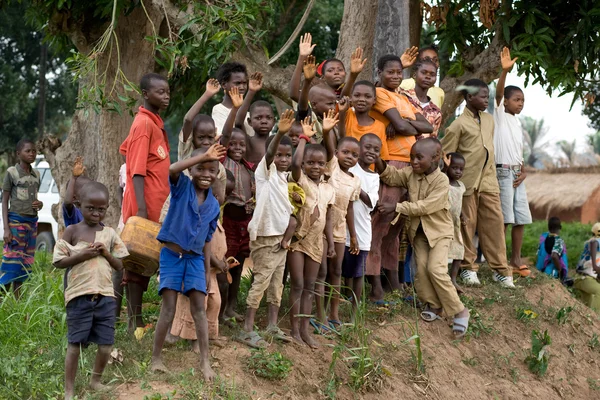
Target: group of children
(354, 182)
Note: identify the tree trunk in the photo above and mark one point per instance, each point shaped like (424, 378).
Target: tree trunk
(41, 121)
(416, 22)
(392, 35)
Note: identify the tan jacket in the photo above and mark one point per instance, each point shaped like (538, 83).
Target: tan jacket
(475, 142)
(429, 207)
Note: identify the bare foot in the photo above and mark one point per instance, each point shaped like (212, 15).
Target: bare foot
(171, 339)
(297, 338)
(219, 342)
(98, 387)
(232, 314)
(459, 289)
(310, 340)
(158, 366)
(196, 346)
(209, 374)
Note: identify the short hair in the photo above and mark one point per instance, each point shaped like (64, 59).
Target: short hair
(368, 136)
(421, 63)
(21, 143)
(318, 88)
(296, 124)
(456, 156)
(347, 139)
(365, 83)
(260, 104)
(330, 61)
(226, 70)
(146, 81)
(201, 119)
(554, 224)
(510, 90)
(473, 83)
(198, 151)
(93, 187)
(314, 148)
(388, 58)
(431, 47)
(285, 141)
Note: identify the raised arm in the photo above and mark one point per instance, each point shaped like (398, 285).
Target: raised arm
(343, 105)
(310, 70)
(507, 65)
(236, 99)
(357, 63)
(307, 132)
(214, 153)
(408, 58)
(78, 170)
(285, 123)
(306, 48)
(255, 83)
(330, 120)
(212, 88)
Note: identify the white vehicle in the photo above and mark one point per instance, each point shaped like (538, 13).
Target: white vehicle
(48, 194)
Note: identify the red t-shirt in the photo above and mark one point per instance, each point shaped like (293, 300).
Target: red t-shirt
(147, 154)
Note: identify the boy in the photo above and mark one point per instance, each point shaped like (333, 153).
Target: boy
(185, 257)
(19, 214)
(431, 229)
(471, 134)
(353, 267)
(508, 143)
(552, 251)
(230, 75)
(147, 151)
(71, 213)
(90, 252)
(267, 227)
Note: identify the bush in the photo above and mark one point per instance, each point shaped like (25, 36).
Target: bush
(272, 366)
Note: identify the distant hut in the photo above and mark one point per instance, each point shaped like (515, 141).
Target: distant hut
(572, 194)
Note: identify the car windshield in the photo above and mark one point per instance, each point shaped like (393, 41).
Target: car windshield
(45, 179)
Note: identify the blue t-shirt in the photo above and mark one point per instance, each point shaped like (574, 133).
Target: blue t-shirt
(75, 217)
(188, 224)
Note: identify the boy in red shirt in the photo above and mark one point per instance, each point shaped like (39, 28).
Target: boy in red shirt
(147, 157)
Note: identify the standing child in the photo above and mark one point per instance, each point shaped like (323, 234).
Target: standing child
(90, 252)
(429, 53)
(508, 145)
(19, 214)
(430, 230)
(230, 75)
(454, 169)
(185, 257)
(425, 74)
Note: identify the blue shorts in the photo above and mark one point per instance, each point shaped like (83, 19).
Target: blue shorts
(91, 318)
(181, 272)
(354, 265)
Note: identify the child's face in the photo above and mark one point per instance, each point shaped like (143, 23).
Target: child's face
(370, 149)
(426, 76)
(262, 120)
(423, 159)
(27, 154)
(237, 146)
(347, 154)
(204, 135)
(294, 134)
(362, 98)
(431, 55)
(323, 101)
(204, 174)
(335, 74)
(391, 76)
(283, 157)
(238, 80)
(314, 164)
(514, 104)
(158, 95)
(93, 207)
(480, 100)
(456, 168)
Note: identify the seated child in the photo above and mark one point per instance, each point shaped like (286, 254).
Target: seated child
(454, 169)
(230, 75)
(314, 219)
(353, 266)
(71, 213)
(185, 257)
(431, 230)
(552, 251)
(587, 281)
(89, 251)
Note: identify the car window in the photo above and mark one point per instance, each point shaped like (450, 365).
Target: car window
(46, 180)
(55, 188)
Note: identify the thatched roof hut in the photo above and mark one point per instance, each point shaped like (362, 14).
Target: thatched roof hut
(572, 194)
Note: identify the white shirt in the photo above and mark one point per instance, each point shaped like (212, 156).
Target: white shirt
(508, 137)
(369, 183)
(273, 208)
(220, 114)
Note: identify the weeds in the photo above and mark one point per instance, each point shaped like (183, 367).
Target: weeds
(562, 316)
(526, 315)
(538, 358)
(470, 361)
(593, 383)
(272, 366)
(594, 343)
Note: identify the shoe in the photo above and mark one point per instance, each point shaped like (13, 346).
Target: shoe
(506, 281)
(469, 277)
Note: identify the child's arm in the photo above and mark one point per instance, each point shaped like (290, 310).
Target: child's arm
(306, 48)
(7, 234)
(507, 65)
(219, 265)
(78, 170)
(285, 123)
(207, 256)
(356, 66)
(391, 175)
(398, 125)
(114, 262)
(351, 229)
(421, 124)
(329, 122)
(436, 201)
(214, 153)
(329, 232)
(307, 132)
(310, 70)
(86, 254)
(255, 83)
(451, 138)
(236, 99)
(343, 105)
(212, 88)
(364, 197)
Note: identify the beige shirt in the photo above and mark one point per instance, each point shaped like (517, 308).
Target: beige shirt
(475, 141)
(93, 276)
(347, 189)
(319, 196)
(430, 207)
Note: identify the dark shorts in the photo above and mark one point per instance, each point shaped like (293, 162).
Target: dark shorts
(238, 238)
(181, 272)
(353, 265)
(91, 319)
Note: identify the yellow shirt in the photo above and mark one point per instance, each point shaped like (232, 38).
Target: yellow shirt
(475, 141)
(436, 94)
(429, 207)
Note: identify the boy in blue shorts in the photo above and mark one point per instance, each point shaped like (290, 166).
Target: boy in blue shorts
(185, 258)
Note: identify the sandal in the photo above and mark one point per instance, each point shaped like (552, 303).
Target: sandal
(320, 329)
(382, 303)
(276, 333)
(460, 326)
(429, 316)
(523, 271)
(251, 339)
(334, 324)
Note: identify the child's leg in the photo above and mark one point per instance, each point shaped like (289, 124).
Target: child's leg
(274, 294)
(295, 261)
(102, 357)
(167, 312)
(16, 287)
(117, 279)
(321, 295)
(357, 287)
(224, 292)
(213, 305)
(199, 315)
(289, 232)
(376, 288)
(135, 293)
(454, 274)
(335, 274)
(232, 293)
(71, 361)
(423, 285)
(311, 270)
(517, 242)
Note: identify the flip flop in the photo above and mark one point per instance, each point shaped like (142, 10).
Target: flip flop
(320, 328)
(429, 316)
(383, 303)
(523, 271)
(251, 339)
(276, 333)
(460, 326)
(334, 324)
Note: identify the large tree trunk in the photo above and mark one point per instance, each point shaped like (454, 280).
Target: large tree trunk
(392, 35)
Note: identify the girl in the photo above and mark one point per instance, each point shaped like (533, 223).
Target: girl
(425, 53)
(425, 75)
(587, 284)
(455, 164)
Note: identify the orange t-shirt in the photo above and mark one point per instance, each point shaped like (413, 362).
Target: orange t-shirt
(146, 150)
(398, 147)
(357, 131)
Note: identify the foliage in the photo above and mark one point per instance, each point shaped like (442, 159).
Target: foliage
(272, 366)
(534, 132)
(568, 148)
(538, 358)
(594, 343)
(594, 141)
(562, 316)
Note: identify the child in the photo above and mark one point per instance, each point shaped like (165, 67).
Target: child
(230, 75)
(586, 283)
(19, 213)
(425, 74)
(471, 134)
(267, 227)
(89, 251)
(147, 151)
(429, 53)
(294, 134)
(353, 266)
(185, 257)
(239, 206)
(508, 146)
(70, 208)
(430, 230)
(552, 251)
(454, 169)
(314, 219)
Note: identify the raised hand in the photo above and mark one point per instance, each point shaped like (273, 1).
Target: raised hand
(357, 63)
(306, 46)
(409, 57)
(307, 127)
(343, 104)
(286, 121)
(505, 60)
(212, 87)
(78, 167)
(447, 159)
(310, 67)
(330, 120)
(236, 97)
(215, 152)
(256, 82)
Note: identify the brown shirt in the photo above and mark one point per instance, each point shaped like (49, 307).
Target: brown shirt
(23, 187)
(430, 207)
(475, 141)
(347, 189)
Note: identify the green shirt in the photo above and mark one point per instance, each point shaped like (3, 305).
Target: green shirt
(23, 187)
